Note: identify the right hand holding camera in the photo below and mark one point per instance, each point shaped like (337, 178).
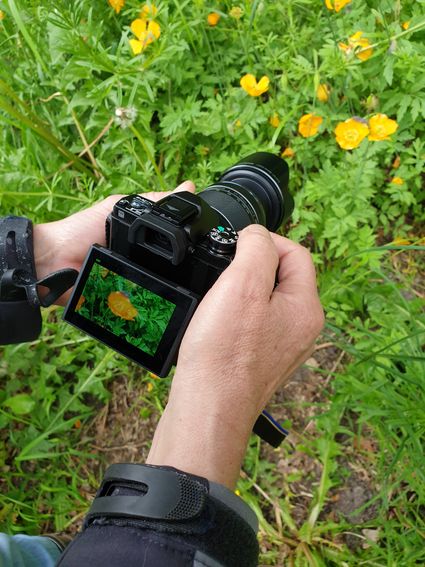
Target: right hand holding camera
(245, 339)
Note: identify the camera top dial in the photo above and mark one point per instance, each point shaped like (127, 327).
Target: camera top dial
(222, 240)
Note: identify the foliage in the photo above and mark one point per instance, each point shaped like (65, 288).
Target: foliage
(125, 309)
(82, 117)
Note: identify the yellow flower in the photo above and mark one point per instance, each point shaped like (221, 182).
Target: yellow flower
(288, 152)
(349, 134)
(146, 32)
(406, 25)
(250, 85)
(213, 18)
(322, 92)
(238, 123)
(336, 5)
(397, 180)
(274, 120)
(381, 127)
(149, 387)
(236, 12)
(117, 5)
(356, 44)
(308, 125)
(2, 15)
(148, 11)
(121, 306)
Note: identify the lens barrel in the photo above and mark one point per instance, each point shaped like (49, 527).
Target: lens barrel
(255, 190)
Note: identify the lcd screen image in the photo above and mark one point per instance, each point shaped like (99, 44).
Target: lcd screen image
(125, 309)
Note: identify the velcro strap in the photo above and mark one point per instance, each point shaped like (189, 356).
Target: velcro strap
(166, 494)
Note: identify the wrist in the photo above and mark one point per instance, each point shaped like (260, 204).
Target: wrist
(202, 438)
(44, 249)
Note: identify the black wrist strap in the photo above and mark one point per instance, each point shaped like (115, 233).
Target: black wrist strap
(150, 492)
(20, 317)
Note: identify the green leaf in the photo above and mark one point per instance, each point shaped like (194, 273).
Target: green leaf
(20, 404)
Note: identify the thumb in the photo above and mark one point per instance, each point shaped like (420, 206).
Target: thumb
(256, 259)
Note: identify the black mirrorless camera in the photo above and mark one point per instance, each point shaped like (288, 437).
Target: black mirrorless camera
(139, 294)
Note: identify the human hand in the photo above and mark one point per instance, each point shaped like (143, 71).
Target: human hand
(65, 243)
(245, 339)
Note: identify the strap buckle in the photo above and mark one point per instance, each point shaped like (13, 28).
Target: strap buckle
(168, 494)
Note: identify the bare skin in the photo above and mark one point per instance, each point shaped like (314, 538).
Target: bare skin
(244, 341)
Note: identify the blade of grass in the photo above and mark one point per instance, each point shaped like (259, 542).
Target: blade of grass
(16, 14)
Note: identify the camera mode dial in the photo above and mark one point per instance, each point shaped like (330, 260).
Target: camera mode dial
(222, 240)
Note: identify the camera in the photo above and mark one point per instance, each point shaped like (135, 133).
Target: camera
(139, 294)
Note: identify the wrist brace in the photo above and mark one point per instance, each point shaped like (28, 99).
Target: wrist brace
(166, 513)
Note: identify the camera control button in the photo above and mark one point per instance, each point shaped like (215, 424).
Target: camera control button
(222, 240)
(139, 203)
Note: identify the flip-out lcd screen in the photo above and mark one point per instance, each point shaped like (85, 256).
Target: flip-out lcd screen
(130, 309)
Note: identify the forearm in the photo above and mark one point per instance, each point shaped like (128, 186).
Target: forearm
(204, 436)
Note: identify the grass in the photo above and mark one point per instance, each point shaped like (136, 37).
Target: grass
(66, 69)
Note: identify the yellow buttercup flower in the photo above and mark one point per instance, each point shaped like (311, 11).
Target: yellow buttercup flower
(213, 19)
(308, 125)
(274, 120)
(148, 11)
(381, 127)
(356, 44)
(117, 5)
(2, 15)
(238, 123)
(250, 85)
(146, 32)
(288, 152)
(322, 92)
(406, 25)
(336, 5)
(397, 180)
(351, 133)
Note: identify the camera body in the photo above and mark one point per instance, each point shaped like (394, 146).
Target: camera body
(139, 293)
(180, 238)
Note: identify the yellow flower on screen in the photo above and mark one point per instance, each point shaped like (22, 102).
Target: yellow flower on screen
(274, 120)
(336, 5)
(117, 5)
(357, 45)
(213, 19)
(381, 127)
(250, 85)
(322, 92)
(406, 25)
(121, 306)
(308, 125)
(146, 32)
(350, 133)
(397, 180)
(148, 11)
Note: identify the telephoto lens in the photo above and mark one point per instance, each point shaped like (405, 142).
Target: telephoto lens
(254, 191)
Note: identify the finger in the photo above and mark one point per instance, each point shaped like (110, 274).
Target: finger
(256, 259)
(296, 268)
(157, 195)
